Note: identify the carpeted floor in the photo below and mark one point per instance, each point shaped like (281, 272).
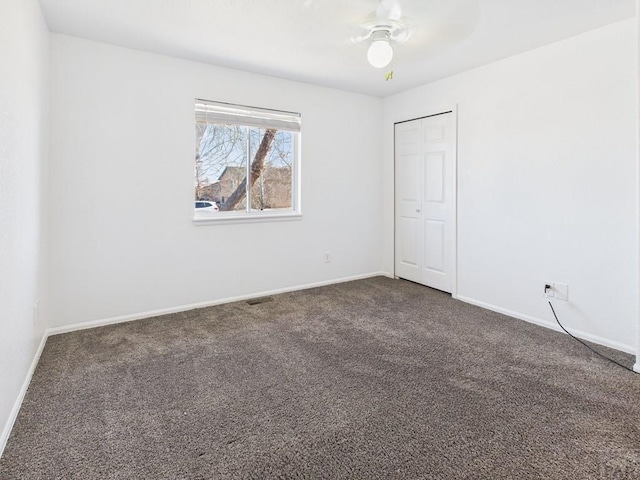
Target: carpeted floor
(371, 379)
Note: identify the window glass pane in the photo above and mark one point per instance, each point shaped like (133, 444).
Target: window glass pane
(271, 174)
(221, 165)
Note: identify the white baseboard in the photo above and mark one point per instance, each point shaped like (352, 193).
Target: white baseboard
(636, 367)
(6, 432)
(183, 308)
(552, 325)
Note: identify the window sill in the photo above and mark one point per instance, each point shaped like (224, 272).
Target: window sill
(223, 219)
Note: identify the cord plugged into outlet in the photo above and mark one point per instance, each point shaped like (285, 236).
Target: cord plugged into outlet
(557, 290)
(563, 290)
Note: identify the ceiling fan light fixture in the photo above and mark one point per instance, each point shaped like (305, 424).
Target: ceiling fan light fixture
(380, 52)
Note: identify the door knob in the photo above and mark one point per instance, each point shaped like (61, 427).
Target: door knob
(417, 210)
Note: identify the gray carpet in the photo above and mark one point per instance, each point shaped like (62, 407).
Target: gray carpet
(371, 379)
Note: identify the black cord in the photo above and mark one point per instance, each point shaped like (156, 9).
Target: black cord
(583, 343)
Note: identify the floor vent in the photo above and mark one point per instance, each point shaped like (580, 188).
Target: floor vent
(258, 301)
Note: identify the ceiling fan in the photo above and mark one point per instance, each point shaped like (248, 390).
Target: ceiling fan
(387, 27)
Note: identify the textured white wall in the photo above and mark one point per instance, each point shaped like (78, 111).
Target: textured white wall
(637, 364)
(122, 240)
(547, 189)
(23, 144)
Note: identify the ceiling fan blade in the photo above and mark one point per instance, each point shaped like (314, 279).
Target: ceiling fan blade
(388, 10)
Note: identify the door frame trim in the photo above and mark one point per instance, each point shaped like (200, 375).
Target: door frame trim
(432, 113)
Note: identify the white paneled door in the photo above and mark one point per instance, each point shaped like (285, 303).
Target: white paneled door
(425, 201)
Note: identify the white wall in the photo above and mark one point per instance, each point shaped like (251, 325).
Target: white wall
(637, 364)
(547, 190)
(24, 101)
(122, 239)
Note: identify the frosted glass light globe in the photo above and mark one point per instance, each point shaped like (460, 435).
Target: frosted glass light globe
(380, 53)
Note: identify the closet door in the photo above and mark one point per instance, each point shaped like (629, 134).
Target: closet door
(408, 195)
(424, 201)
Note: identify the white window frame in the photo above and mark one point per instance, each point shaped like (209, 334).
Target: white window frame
(248, 116)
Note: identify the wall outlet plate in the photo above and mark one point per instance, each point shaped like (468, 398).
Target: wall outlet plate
(36, 312)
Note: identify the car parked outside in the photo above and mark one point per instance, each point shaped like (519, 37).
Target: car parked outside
(206, 206)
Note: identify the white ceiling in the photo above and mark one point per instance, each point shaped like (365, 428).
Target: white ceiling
(311, 40)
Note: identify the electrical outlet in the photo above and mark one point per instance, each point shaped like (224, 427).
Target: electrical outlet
(36, 312)
(550, 292)
(562, 291)
(327, 257)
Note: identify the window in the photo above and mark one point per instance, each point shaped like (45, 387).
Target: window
(246, 162)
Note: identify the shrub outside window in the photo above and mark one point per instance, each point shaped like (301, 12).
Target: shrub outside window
(246, 162)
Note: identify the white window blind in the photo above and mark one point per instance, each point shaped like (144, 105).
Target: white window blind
(228, 114)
